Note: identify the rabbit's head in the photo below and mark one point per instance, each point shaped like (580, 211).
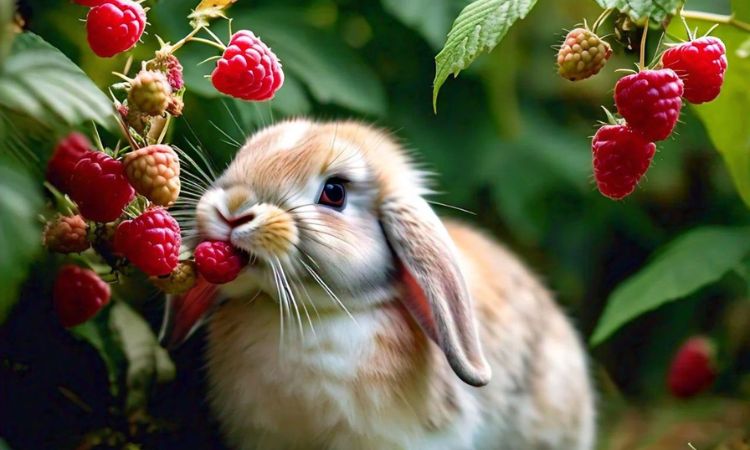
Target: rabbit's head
(339, 207)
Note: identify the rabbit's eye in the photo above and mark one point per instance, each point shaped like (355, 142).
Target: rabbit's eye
(333, 193)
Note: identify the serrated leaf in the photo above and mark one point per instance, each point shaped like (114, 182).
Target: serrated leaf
(20, 231)
(639, 10)
(41, 82)
(478, 28)
(691, 261)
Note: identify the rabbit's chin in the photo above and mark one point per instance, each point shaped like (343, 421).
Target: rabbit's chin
(258, 278)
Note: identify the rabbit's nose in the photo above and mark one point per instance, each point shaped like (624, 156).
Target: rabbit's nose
(235, 221)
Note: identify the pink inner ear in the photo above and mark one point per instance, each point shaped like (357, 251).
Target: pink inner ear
(187, 311)
(416, 302)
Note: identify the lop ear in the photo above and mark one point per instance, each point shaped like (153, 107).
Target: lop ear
(436, 293)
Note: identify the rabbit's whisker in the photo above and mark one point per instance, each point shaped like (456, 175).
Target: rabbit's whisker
(281, 306)
(290, 295)
(328, 290)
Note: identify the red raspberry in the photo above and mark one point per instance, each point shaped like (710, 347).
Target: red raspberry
(218, 262)
(78, 295)
(151, 241)
(248, 69)
(65, 157)
(621, 157)
(66, 234)
(115, 26)
(650, 101)
(693, 368)
(701, 65)
(99, 187)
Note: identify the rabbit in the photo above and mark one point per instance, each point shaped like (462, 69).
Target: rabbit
(363, 321)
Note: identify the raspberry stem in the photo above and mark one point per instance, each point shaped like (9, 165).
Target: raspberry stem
(716, 18)
(599, 20)
(208, 42)
(642, 60)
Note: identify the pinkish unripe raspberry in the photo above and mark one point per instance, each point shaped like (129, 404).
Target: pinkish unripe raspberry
(154, 172)
(66, 234)
(582, 55)
(149, 93)
(170, 66)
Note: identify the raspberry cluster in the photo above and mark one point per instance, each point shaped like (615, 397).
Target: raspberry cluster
(650, 102)
(113, 203)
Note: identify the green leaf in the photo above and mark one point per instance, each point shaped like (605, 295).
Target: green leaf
(96, 333)
(431, 18)
(691, 261)
(20, 231)
(40, 81)
(478, 28)
(730, 137)
(655, 10)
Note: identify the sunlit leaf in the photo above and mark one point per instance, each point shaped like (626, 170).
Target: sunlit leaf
(691, 261)
(207, 10)
(731, 137)
(478, 28)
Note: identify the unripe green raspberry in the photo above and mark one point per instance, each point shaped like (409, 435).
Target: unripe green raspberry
(179, 281)
(66, 235)
(149, 93)
(582, 54)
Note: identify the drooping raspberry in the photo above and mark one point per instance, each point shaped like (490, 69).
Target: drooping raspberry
(170, 66)
(693, 368)
(99, 187)
(218, 262)
(620, 157)
(700, 64)
(175, 107)
(66, 234)
(115, 26)
(582, 55)
(179, 281)
(151, 241)
(78, 294)
(650, 101)
(248, 69)
(154, 172)
(149, 93)
(65, 157)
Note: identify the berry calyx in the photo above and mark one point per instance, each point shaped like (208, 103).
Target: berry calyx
(168, 64)
(65, 157)
(582, 55)
(151, 241)
(99, 187)
(248, 69)
(149, 93)
(218, 261)
(78, 294)
(650, 101)
(701, 65)
(154, 172)
(620, 158)
(179, 281)
(114, 26)
(66, 234)
(693, 368)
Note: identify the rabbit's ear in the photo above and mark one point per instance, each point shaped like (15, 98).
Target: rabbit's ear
(436, 295)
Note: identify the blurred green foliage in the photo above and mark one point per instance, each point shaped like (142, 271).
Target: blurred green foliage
(510, 143)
